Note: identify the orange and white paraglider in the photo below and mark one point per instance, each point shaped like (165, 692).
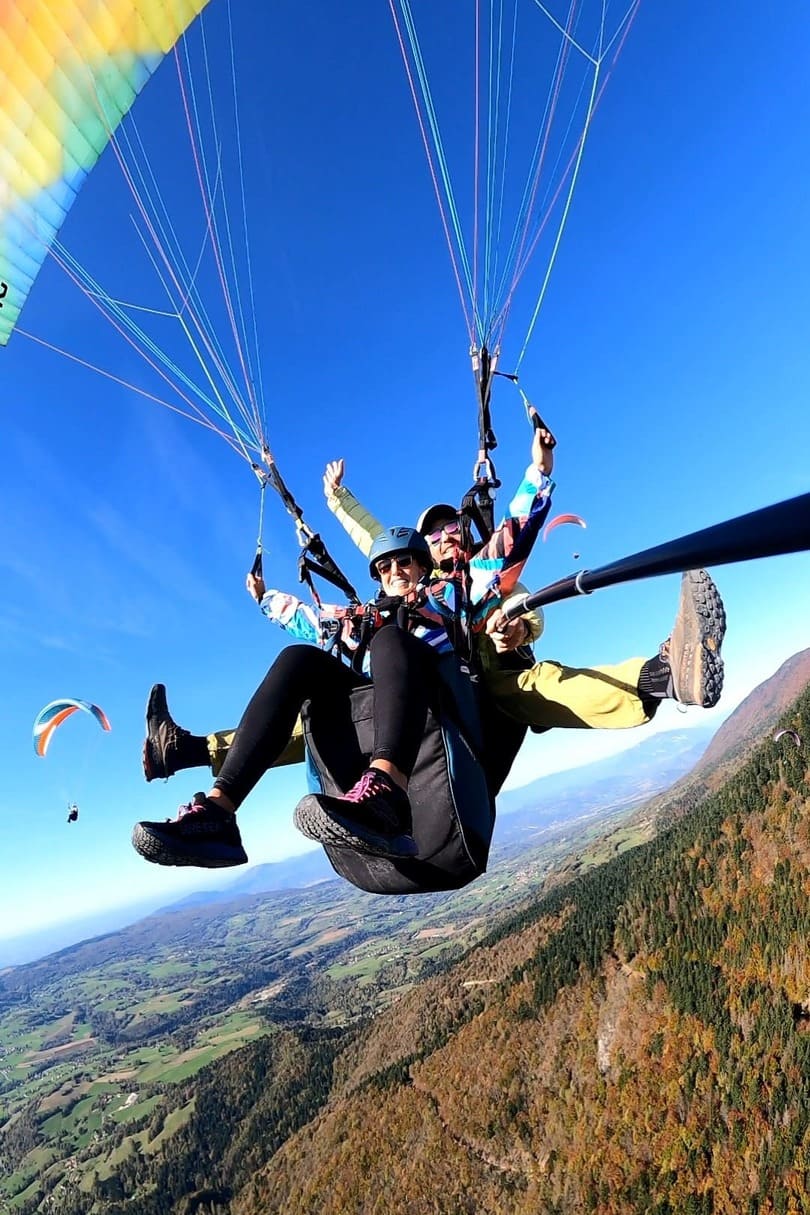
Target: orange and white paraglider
(57, 712)
(46, 723)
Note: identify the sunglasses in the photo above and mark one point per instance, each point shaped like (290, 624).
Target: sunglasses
(448, 529)
(403, 562)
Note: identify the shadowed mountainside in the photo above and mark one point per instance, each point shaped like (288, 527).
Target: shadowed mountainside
(757, 714)
(754, 719)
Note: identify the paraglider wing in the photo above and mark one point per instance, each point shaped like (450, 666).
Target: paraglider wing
(792, 733)
(70, 73)
(58, 711)
(558, 520)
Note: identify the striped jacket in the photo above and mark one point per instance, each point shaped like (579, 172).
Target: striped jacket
(441, 601)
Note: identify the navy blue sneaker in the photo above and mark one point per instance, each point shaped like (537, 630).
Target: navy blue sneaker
(373, 818)
(202, 834)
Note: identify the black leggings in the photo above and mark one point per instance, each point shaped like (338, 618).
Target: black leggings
(403, 669)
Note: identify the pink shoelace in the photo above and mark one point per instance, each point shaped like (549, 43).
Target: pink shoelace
(370, 784)
(192, 807)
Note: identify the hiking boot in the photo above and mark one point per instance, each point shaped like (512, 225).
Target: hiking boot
(693, 649)
(373, 818)
(202, 834)
(168, 747)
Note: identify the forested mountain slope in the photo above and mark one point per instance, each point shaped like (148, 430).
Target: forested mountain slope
(636, 1042)
(751, 722)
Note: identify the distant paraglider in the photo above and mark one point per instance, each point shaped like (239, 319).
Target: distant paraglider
(46, 723)
(57, 712)
(558, 520)
(792, 733)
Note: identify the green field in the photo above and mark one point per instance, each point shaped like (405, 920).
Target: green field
(92, 1047)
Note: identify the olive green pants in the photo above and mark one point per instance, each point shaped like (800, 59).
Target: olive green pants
(293, 753)
(551, 696)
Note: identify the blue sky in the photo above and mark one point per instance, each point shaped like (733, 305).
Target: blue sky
(671, 358)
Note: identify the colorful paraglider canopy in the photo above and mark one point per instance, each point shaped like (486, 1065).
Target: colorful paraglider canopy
(792, 733)
(58, 711)
(70, 73)
(558, 520)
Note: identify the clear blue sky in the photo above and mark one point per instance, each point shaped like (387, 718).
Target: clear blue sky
(671, 358)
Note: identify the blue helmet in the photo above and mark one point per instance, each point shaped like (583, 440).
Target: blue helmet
(398, 540)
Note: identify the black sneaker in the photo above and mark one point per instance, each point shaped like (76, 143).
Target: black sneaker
(373, 817)
(202, 834)
(164, 738)
(693, 650)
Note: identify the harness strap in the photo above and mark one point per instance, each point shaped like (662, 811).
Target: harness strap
(478, 505)
(478, 509)
(484, 369)
(315, 558)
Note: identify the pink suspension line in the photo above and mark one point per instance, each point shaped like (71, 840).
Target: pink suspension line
(556, 89)
(200, 418)
(476, 160)
(217, 252)
(434, 176)
(501, 319)
(180, 287)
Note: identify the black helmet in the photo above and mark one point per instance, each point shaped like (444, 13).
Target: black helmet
(430, 517)
(398, 540)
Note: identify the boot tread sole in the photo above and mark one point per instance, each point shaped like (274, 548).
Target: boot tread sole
(317, 824)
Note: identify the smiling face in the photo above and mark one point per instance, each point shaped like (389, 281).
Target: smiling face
(444, 539)
(399, 573)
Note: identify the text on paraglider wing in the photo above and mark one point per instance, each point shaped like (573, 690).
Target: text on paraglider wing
(3, 290)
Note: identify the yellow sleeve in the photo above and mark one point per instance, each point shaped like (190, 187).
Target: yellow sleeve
(362, 527)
